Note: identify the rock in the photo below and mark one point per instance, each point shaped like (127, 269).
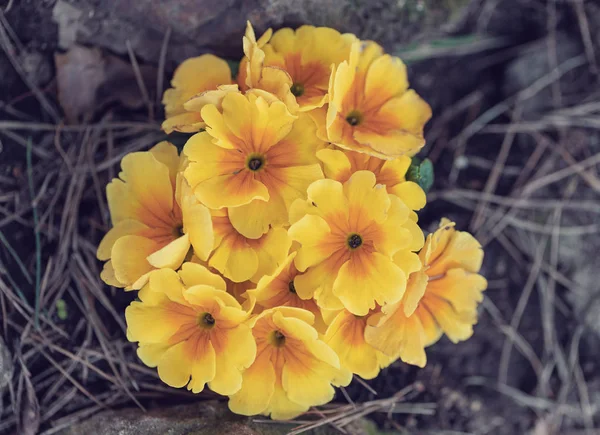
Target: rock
(200, 418)
(217, 25)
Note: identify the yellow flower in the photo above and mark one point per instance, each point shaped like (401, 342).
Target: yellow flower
(371, 110)
(239, 258)
(346, 336)
(348, 235)
(192, 330)
(278, 290)
(255, 158)
(442, 297)
(156, 219)
(293, 369)
(192, 77)
(255, 75)
(340, 165)
(307, 55)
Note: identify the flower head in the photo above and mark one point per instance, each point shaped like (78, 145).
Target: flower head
(442, 297)
(192, 330)
(192, 77)
(346, 335)
(255, 75)
(307, 55)
(371, 110)
(279, 290)
(255, 158)
(293, 369)
(239, 258)
(340, 165)
(349, 234)
(156, 219)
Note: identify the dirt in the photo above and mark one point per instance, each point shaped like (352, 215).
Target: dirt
(520, 90)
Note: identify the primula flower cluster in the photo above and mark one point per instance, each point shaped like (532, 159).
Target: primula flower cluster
(279, 253)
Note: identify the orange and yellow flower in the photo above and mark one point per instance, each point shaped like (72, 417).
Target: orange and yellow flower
(340, 165)
(256, 76)
(192, 77)
(307, 55)
(442, 298)
(156, 219)
(293, 369)
(346, 336)
(349, 234)
(239, 258)
(254, 158)
(371, 110)
(192, 330)
(279, 290)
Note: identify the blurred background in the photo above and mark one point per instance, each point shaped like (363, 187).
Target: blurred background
(515, 144)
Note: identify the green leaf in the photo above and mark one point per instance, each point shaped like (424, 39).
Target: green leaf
(234, 65)
(61, 309)
(421, 172)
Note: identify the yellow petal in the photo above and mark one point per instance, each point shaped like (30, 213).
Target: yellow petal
(150, 354)
(236, 261)
(386, 78)
(193, 76)
(172, 255)
(187, 122)
(258, 385)
(310, 231)
(195, 274)
(165, 282)
(368, 202)
(369, 279)
(408, 261)
(303, 384)
(409, 112)
(271, 252)
(254, 219)
(231, 190)
(108, 275)
(121, 228)
(234, 353)
(391, 237)
(155, 324)
(345, 335)
(129, 258)
(336, 164)
(415, 289)
(166, 153)
(327, 196)
(188, 360)
(411, 193)
(149, 181)
(197, 225)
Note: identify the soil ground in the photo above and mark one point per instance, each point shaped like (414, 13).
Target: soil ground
(515, 145)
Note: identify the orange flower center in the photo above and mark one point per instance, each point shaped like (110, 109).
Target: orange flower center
(354, 241)
(206, 321)
(178, 231)
(255, 162)
(278, 339)
(297, 89)
(354, 118)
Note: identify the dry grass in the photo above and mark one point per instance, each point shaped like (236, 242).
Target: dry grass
(67, 368)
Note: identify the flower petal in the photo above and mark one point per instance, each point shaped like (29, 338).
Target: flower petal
(195, 274)
(129, 258)
(368, 279)
(258, 385)
(172, 255)
(122, 228)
